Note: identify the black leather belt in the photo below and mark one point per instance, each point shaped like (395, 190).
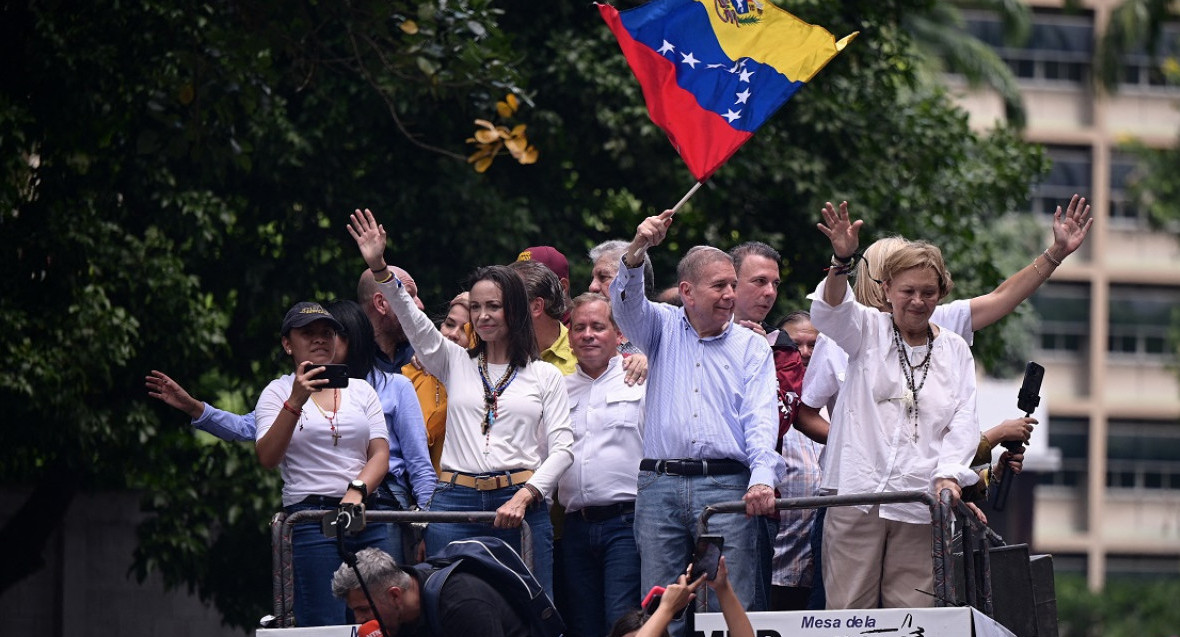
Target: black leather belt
(720, 467)
(321, 501)
(605, 512)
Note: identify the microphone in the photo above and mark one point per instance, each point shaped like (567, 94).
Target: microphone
(1027, 401)
(369, 629)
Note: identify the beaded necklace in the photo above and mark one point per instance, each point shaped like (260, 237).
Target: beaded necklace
(331, 419)
(908, 370)
(492, 392)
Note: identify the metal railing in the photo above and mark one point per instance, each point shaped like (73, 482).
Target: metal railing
(945, 518)
(282, 526)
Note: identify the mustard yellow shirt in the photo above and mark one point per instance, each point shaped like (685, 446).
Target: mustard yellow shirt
(560, 354)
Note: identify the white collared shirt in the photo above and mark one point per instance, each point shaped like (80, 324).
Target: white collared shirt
(607, 418)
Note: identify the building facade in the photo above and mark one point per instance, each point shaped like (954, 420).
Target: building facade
(1111, 385)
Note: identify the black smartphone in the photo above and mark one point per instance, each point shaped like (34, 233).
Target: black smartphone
(1030, 390)
(707, 556)
(336, 374)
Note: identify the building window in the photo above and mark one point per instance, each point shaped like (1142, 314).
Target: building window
(1071, 173)
(1071, 436)
(1064, 310)
(1143, 455)
(1140, 318)
(1124, 210)
(1141, 69)
(1059, 50)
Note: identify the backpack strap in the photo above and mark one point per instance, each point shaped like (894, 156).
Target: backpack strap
(435, 579)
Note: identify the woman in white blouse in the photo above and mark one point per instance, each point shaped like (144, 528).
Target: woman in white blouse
(508, 429)
(907, 417)
(332, 448)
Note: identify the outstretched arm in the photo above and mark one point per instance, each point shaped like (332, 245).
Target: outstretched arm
(736, 620)
(1069, 232)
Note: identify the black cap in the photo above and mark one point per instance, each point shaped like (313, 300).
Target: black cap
(306, 313)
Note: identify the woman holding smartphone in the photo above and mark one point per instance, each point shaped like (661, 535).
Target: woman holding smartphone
(331, 445)
(508, 427)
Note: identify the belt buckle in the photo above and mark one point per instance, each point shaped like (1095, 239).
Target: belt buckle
(490, 483)
(668, 470)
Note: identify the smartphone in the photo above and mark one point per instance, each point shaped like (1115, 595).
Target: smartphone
(707, 556)
(336, 374)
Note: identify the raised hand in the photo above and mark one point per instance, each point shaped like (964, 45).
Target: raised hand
(1070, 227)
(651, 232)
(370, 238)
(160, 386)
(840, 230)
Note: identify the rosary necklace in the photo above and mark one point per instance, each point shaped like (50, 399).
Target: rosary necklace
(492, 392)
(331, 419)
(909, 371)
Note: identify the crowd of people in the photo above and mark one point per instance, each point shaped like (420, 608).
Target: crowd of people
(608, 421)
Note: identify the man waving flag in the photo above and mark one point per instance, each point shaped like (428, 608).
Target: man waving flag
(713, 71)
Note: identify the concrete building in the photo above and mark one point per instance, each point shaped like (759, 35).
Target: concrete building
(1113, 506)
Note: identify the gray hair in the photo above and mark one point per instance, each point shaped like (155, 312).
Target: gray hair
(541, 282)
(795, 316)
(378, 569)
(753, 248)
(613, 250)
(694, 261)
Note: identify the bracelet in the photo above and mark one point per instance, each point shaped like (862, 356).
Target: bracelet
(1043, 275)
(388, 276)
(536, 493)
(840, 270)
(292, 410)
(1050, 259)
(843, 260)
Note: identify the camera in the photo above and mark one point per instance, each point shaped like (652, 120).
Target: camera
(349, 519)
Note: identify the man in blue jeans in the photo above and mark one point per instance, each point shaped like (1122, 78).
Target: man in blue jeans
(711, 414)
(598, 490)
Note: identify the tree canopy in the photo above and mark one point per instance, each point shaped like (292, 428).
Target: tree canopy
(174, 178)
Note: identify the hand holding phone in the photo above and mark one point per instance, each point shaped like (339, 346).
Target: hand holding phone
(336, 374)
(706, 557)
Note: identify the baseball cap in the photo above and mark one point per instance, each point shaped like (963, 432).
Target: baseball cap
(548, 256)
(306, 313)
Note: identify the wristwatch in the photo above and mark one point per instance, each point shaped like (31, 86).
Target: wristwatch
(360, 485)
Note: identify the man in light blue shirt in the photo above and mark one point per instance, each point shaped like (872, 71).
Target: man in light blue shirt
(711, 417)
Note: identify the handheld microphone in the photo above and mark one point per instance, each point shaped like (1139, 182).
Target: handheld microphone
(369, 629)
(1027, 401)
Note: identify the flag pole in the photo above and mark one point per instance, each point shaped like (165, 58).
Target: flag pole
(692, 191)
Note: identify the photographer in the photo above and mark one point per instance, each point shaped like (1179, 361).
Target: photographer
(331, 446)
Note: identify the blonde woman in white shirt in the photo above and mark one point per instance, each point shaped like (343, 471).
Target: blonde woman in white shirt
(508, 424)
(906, 415)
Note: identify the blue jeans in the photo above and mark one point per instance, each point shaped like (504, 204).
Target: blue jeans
(601, 572)
(452, 497)
(819, 600)
(767, 530)
(391, 489)
(314, 558)
(666, 512)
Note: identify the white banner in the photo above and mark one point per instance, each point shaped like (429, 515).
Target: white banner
(883, 622)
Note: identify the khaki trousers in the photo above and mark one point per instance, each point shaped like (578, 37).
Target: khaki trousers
(871, 562)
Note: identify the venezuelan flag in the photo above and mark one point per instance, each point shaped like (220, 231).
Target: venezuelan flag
(713, 71)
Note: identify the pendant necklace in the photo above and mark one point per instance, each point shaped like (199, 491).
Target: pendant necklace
(491, 395)
(909, 372)
(331, 419)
